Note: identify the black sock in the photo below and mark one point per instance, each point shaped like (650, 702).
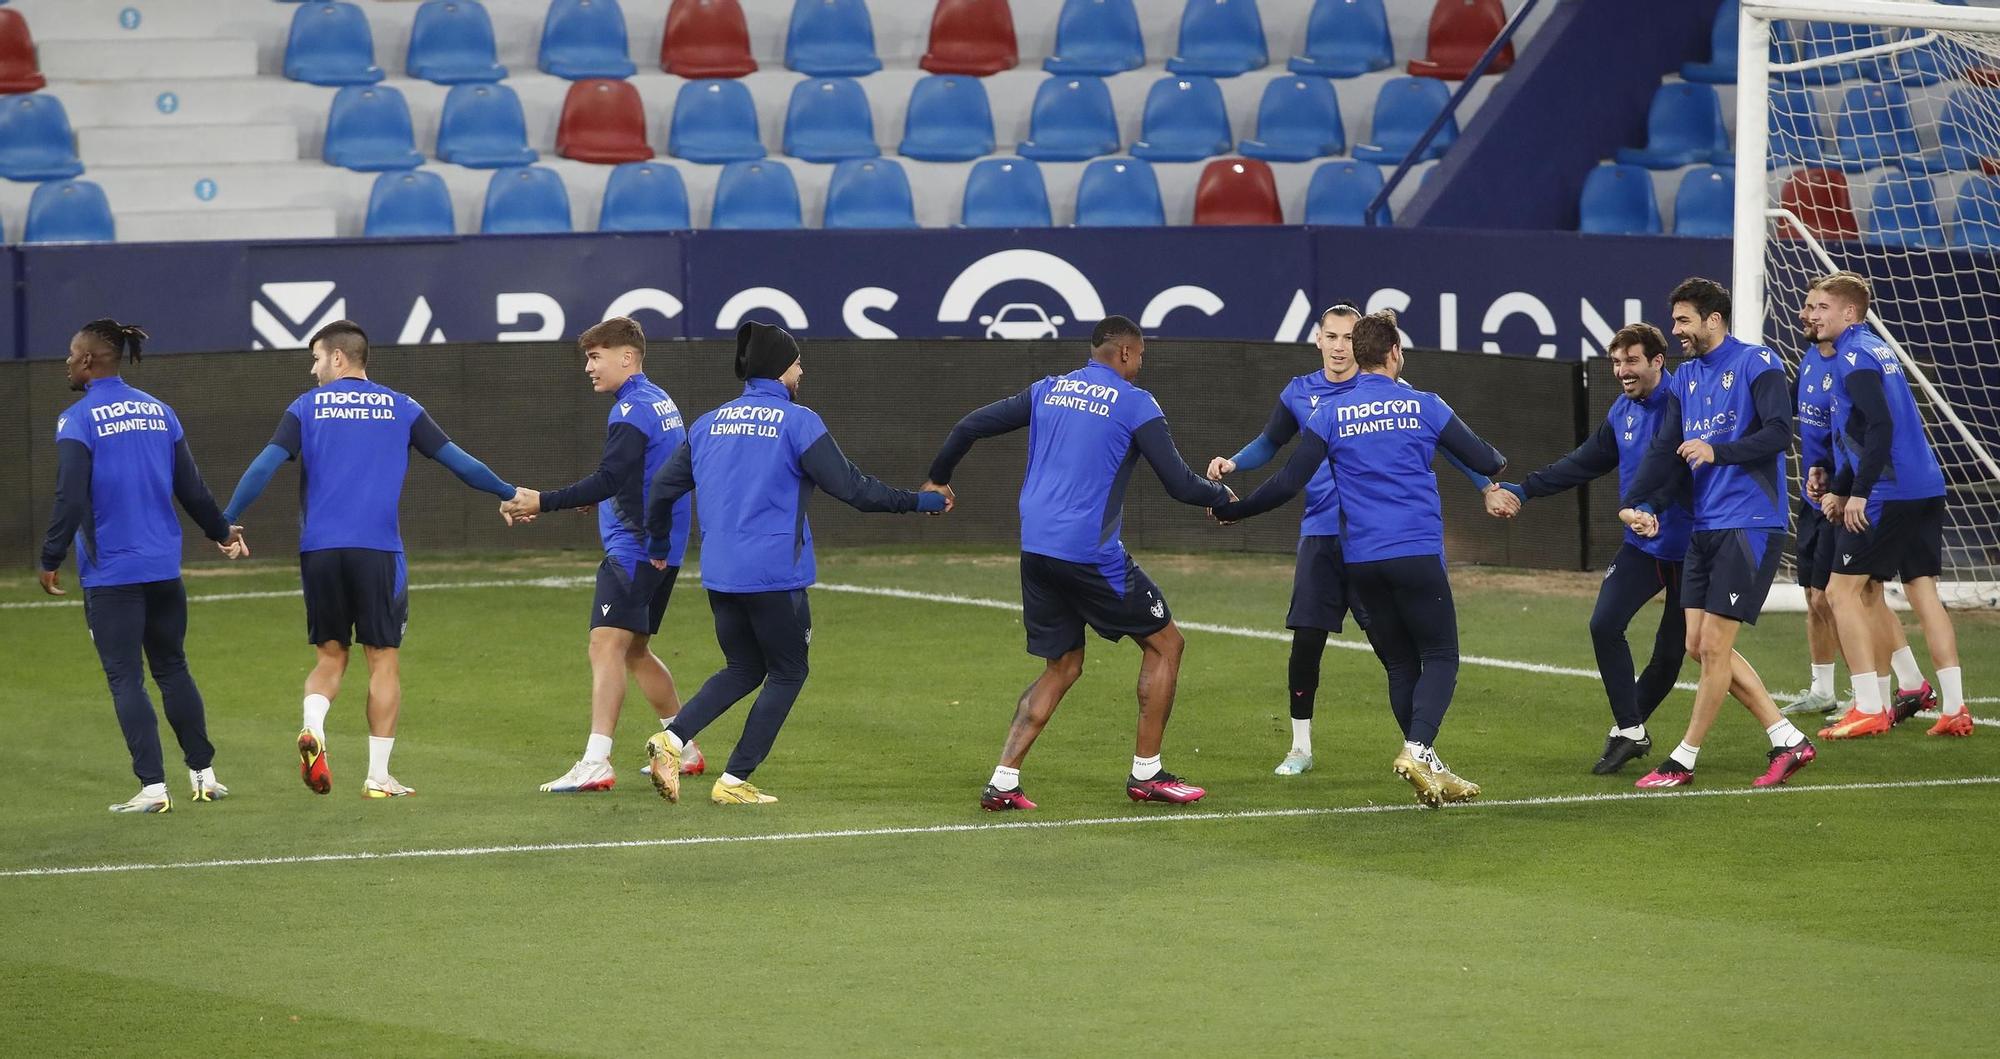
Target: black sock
(1307, 646)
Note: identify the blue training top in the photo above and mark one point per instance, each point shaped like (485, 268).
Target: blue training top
(1815, 403)
(1736, 398)
(642, 432)
(1906, 469)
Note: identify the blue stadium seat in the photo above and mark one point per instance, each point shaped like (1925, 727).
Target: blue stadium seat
(482, 127)
(714, 121)
(330, 44)
(1684, 127)
(831, 38)
(1006, 193)
(1968, 136)
(1874, 126)
(525, 199)
(756, 195)
(1978, 225)
(1705, 205)
(368, 130)
(1097, 38)
(1220, 38)
(451, 42)
(1185, 120)
(1298, 120)
(1618, 200)
(644, 197)
(1928, 64)
(869, 193)
(949, 120)
(1404, 108)
(1796, 135)
(585, 38)
(1072, 120)
(1903, 211)
(414, 203)
(1119, 193)
(36, 142)
(1816, 40)
(1720, 69)
(1345, 38)
(829, 121)
(70, 211)
(1340, 192)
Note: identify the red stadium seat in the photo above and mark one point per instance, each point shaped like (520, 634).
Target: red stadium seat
(604, 122)
(1460, 32)
(1819, 199)
(706, 38)
(1237, 191)
(19, 72)
(974, 37)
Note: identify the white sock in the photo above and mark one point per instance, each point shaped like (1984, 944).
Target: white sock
(1634, 733)
(1685, 754)
(597, 749)
(315, 715)
(1421, 752)
(664, 722)
(1904, 662)
(673, 740)
(729, 780)
(378, 757)
(1868, 693)
(1005, 779)
(1822, 681)
(153, 790)
(1785, 734)
(1951, 689)
(1888, 693)
(1145, 768)
(1302, 735)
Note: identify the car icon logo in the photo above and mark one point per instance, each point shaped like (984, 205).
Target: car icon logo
(1021, 320)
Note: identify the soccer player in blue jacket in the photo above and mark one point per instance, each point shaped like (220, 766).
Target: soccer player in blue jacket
(1381, 438)
(352, 438)
(1723, 434)
(122, 464)
(1087, 431)
(1813, 555)
(643, 431)
(1644, 566)
(755, 462)
(1887, 505)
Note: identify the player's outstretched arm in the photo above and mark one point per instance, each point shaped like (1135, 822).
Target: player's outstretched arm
(1001, 417)
(1280, 428)
(839, 478)
(72, 507)
(1280, 487)
(1156, 443)
(1774, 433)
(1468, 450)
(674, 480)
(624, 451)
(1596, 457)
(428, 438)
(195, 499)
(283, 446)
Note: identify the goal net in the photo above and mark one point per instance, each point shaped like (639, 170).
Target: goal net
(1876, 127)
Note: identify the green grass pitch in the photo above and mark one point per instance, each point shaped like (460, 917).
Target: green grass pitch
(1812, 921)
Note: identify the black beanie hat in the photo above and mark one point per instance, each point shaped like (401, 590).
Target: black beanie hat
(764, 351)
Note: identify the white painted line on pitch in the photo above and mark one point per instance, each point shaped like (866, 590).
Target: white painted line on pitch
(1165, 816)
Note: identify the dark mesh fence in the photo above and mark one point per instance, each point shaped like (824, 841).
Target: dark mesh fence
(528, 412)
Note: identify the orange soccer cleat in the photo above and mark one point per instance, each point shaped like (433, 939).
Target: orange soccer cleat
(1856, 725)
(1954, 724)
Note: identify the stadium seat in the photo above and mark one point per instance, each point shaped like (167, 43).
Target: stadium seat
(714, 121)
(1684, 127)
(1819, 199)
(409, 204)
(330, 44)
(1796, 136)
(70, 211)
(1978, 225)
(20, 71)
(36, 142)
(1298, 120)
(1720, 69)
(706, 38)
(1072, 119)
(1185, 120)
(1340, 192)
(949, 120)
(1875, 127)
(1220, 38)
(869, 193)
(1404, 108)
(1618, 200)
(756, 195)
(1903, 211)
(585, 38)
(1705, 204)
(1345, 38)
(1097, 38)
(451, 43)
(1460, 32)
(1006, 193)
(831, 38)
(604, 122)
(525, 199)
(973, 37)
(829, 121)
(644, 197)
(1927, 64)
(368, 130)
(1968, 137)
(1119, 193)
(482, 127)
(1237, 191)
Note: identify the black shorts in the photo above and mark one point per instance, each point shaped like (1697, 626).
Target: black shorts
(1319, 586)
(631, 595)
(1729, 572)
(1058, 598)
(355, 594)
(1905, 539)
(1815, 548)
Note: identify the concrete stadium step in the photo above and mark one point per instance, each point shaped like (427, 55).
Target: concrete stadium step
(119, 59)
(309, 222)
(253, 185)
(175, 144)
